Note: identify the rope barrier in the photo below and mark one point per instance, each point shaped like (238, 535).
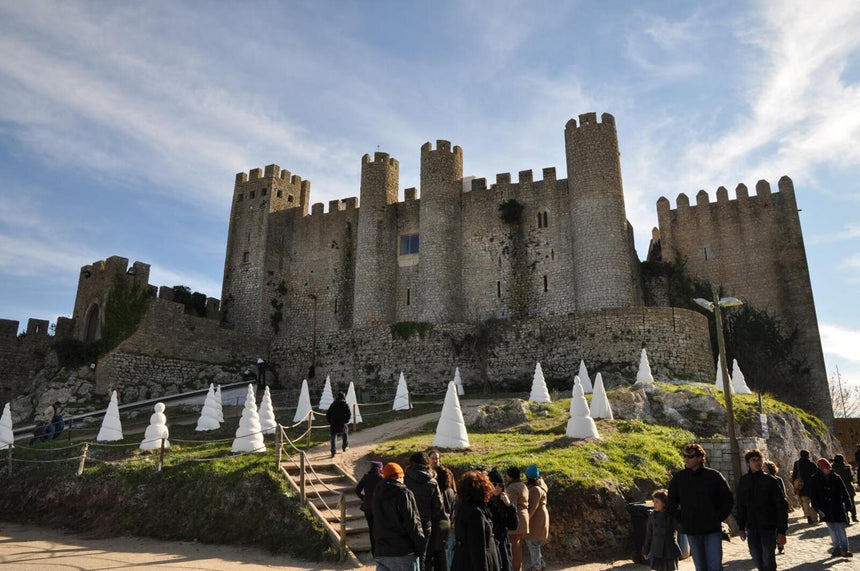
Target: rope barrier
(45, 461)
(52, 449)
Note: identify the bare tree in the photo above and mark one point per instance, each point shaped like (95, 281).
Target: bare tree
(844, 396)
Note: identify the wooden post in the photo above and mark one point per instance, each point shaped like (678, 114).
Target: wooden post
(279, 443)
(354, 423)
(310, 426)
(409, 396)
(161, 455)
(302, 494)
(342, 527)
(9, 459)
(83, 458)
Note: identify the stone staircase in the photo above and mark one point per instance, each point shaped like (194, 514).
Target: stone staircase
(325, 486)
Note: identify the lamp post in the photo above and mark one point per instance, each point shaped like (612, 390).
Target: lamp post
(715, 306)
(313, 367)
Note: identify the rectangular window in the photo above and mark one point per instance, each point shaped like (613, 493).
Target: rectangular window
(263, 193)
(335, 302)
(408, 296)
(240, 198)
(546, 219)
(252, 194)
(544, 284)
(540, 221)
(280, 193)
(498, 289)
(246, 257)
(409, 244)
(289, 198)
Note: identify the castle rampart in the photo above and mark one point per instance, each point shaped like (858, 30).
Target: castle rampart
(753, 247)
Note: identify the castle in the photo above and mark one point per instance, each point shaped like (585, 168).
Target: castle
(555, 257)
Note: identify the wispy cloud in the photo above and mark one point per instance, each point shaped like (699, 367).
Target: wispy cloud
(49, 259)
(840, 348)
(848, 232)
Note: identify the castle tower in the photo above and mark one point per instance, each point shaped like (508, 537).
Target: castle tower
(602, 250)
(376, 242)
(249, 256)
(440, 214)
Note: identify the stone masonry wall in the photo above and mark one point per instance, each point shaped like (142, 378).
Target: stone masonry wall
(20, 357)
(753, 247)
(169, 345)
(504, 353)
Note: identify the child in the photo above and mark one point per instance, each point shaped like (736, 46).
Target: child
(661, 542)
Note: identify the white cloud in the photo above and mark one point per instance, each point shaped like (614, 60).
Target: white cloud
(840, 342)
(48, 259)
(848, 232)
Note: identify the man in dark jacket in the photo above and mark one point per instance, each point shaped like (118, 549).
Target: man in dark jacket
(844, 471)
(761, 511)
(702, 498)
(803, 470)
(829, 498)
(338, 417)
(421, 481)
(504, 518)
(397, 529)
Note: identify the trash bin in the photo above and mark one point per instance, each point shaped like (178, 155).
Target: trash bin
(639, 518)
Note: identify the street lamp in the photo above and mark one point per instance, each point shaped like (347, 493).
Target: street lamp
(312, 369)
(715, 306)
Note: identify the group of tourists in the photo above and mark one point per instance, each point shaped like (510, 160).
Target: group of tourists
(699, 499)
(425, 519)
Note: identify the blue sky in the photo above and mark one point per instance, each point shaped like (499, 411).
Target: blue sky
(123, 124)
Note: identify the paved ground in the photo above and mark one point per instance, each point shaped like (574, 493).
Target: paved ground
(27, 548)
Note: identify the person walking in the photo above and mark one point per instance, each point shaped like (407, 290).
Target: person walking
(801, 472)
(504, 515)
(397, 526)
(421, 481)
(661, 537)
(761, 512)
(701, 499)
(365, 490)
(538, 533)
(829, 498)
(519, 496)
(338, 417)
(439, 550)
(475, 549)
(770, 467)
(844, 471)
(857, 462)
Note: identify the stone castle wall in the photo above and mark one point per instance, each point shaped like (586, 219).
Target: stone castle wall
(505, 353)
(21, 356)
(753, 247)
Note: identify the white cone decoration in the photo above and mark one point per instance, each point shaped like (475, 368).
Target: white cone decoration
(719, 382)
(327, 397)
(209, 413)
(584, 378)
(351, 400)
(739, 382)
(539, 391)
(156, 431)
(644, 376)
(401, 399)
(267, 414)
(451, 429)
(600, 407)
(580, 425)
(7, 438)
(219, 405)
(111, 429)
(304, 408)
(249, 438)
(458, 382)
(576, 383)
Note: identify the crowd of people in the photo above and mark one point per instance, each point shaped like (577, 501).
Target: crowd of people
(699, 500)
(424, 519)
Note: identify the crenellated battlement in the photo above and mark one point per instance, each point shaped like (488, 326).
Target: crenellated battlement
(762, 191)
(209, 305)
(380, 158)
(442, 146)
(587, 120)
(271, 172)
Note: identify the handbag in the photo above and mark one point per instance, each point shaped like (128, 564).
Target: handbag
(797, 483)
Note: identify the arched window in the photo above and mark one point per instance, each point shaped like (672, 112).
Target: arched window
(92, 325)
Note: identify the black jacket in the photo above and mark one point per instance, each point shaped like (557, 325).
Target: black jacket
(365, 489)
(760, 503)
(422, 482)
(660, 538)
(397, 528)
(805, 469)
(476, 548)
(504, 518)
(703, 498)
(829, 496)
(844, 471)
(338, 416)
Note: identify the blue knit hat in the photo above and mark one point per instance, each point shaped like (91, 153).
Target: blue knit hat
(532, 472)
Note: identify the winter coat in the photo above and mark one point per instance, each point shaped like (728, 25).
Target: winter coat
(397, 529)
(703, 498)
(760, 503)
(844, 472)
(475, 549)
(538, 512)
(366, 487)
(804, 468)
(421, 480)
(660, 538)
(338, 416)
(441, 530)
(519, 495)
(504, 518)
(829, 496)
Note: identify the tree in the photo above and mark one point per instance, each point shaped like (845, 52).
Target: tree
(845, 397)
